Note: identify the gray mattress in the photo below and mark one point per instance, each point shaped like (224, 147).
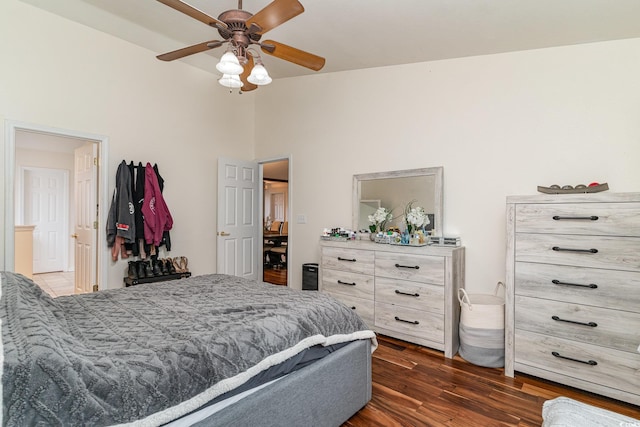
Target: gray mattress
(152, 353)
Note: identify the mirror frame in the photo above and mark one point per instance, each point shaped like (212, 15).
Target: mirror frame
(437, 172)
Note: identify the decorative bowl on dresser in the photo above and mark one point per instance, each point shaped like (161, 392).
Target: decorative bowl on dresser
(406, 292)
(572, 308)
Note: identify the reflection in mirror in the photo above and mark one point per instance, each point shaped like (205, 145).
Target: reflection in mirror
(394, 190)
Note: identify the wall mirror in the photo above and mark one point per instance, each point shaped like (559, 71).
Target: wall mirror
(393, 190)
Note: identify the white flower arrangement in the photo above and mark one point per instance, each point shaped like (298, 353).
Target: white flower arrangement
(416, 218)
(379, 219)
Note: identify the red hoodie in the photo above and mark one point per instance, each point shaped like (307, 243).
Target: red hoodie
(157, 218)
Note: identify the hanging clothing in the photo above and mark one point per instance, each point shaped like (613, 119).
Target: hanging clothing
(157, 217)
(138, 199)
(120, 221)
(132, 248)
(166, 237)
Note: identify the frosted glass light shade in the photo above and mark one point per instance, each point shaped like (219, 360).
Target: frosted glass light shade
(259, 76)
(229, 64)
(230, 81)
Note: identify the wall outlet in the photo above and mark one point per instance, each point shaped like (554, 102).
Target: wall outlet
(301, 219)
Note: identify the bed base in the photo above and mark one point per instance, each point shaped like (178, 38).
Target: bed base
(325, 393)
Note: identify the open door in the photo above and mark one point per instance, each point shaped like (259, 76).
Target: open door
(86, 217)
(237, 236)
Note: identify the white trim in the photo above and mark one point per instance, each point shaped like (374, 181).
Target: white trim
(11, 127)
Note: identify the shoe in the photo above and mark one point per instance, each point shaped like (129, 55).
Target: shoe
(184, 264)
(141, 270)
(168, 262)
(148, 271)
(132, 273)
(176, 264)
(163, 266)
(155, 267)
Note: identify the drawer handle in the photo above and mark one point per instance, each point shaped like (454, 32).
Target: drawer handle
(559, 283)
(588, 218)
(415, 267)
(586, 362)
(346, 283)
(413, 322)
(591, 324)
(407, 293)
(347, 259)
(559, 249)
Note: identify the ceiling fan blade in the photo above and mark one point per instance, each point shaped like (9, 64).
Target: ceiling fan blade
(245, 74)
(274, 14)
(292, 54)
(191, 11)
(190, 50)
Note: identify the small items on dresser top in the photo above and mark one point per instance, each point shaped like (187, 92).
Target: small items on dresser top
(594, 187)
(391, 237)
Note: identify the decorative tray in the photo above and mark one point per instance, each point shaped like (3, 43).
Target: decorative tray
(579, 189)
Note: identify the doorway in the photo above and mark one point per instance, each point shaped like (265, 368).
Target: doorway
(275, 221)
(39, 154)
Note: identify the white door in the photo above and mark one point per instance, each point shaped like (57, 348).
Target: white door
(86, 216)
(237, 237)
(44, 207)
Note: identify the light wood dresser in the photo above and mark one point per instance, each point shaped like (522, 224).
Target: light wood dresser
(404, 292)
(573, 291)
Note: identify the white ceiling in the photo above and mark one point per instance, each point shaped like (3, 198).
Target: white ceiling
(355, 34)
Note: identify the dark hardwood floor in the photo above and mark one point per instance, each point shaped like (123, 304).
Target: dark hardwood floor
(277, 276)
(417, 386)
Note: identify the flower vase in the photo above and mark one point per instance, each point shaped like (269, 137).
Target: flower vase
(372, 236)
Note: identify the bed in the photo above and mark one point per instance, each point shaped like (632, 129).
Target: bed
(208, 350)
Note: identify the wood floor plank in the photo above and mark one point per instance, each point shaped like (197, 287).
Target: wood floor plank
(418, 386)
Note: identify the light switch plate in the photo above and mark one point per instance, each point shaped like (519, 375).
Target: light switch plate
(301, 219)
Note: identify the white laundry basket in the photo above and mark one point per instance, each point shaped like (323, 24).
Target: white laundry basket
(482, 328)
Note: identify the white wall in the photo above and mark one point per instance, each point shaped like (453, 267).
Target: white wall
(60, 74)
(499, 125)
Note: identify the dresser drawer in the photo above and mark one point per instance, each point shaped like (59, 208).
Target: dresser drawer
(416, 323)
(347, 283)
(363, 307)
(613, 368)
(613, 253)
(354, 260)
(615, 329)
(612, 219)
(410, 294)
(591, 286)
(418, 268)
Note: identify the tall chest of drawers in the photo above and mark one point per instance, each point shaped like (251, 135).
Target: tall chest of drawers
(573, 291)
(400, 291)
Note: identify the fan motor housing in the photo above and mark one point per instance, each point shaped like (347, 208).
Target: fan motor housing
(237, 28)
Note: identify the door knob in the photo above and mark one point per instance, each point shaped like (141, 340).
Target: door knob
(74, 235)
(222, 233)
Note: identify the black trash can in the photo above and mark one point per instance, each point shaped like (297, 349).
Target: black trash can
(310, 277)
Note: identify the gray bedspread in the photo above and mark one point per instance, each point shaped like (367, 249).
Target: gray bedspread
(151, 352)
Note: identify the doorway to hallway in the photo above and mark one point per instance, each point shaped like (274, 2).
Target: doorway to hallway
(275, 221)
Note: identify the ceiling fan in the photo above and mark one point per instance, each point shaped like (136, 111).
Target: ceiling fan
(241, 29)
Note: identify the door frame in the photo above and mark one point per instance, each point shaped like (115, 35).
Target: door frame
(8, 243)
(290, 253)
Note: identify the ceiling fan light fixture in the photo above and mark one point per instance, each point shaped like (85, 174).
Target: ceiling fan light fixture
(259, 76)
(229, 64)
(231, 81)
